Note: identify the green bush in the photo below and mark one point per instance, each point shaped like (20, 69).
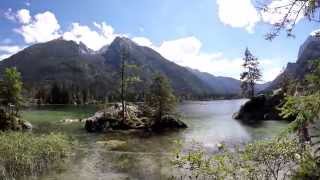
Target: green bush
(270, 159)
(27, 154)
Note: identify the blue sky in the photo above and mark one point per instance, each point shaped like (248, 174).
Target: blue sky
(209, 35)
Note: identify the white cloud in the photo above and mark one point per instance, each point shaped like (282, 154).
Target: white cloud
(180, 49)
(187, 52)
(4, 56)
(94, 39)
(41, 28)
(23, 15)
(278, 9)
(142, 41)
(10, 15)
(184, 51)
(238, 13)
(6, 51)
(10, 49)
(272, 73)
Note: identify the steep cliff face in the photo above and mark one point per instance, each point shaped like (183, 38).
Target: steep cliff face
(309, 50)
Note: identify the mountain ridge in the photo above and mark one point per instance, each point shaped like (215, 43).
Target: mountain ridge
(73, 65)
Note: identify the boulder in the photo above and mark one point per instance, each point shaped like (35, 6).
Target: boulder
(168, 122)
(27, 125)
(261, 108)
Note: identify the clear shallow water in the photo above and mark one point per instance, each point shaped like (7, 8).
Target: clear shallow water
(146, 155)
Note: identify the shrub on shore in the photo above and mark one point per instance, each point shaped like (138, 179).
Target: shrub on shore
(27, 154)
(269, 159)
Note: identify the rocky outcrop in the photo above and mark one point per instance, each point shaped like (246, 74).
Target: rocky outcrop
(10, 121)
(168, 122)
(308, 51)
(135, 118)
(261, 108)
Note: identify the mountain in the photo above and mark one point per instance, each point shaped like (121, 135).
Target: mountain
(73, 71)
(224, 86)
(308, 51)
(72, 66)
(151, 62)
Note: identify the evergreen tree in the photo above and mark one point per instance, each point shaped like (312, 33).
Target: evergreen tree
(250, 75)
(11, 88)
(160, 97)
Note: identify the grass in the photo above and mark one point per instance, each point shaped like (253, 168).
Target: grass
(27, 154)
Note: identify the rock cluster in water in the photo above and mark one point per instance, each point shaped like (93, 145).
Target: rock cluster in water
(135, 118)
(11, 121)
(261, 108)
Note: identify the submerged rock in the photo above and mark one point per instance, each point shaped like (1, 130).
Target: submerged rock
(261, 108)
(135, 118)
(27, 125)
(114, 144)
(168, 122)
(70, 120)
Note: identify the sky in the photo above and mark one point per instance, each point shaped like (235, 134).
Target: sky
(208, 35)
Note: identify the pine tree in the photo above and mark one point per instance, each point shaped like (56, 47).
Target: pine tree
(251, 74)
(11, 88)
(160, 97)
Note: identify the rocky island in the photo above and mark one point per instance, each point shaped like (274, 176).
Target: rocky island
(136, 117)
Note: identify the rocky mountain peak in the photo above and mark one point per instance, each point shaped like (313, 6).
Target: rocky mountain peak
(310, 49)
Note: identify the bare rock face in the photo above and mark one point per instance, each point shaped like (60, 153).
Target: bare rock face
(135, 118)
(308, 51)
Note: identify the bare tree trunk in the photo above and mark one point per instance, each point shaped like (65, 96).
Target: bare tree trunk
(304, 134)
(123, 84)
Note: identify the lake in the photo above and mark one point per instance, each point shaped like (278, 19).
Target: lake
(146, 155)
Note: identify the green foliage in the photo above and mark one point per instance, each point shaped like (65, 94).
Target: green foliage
(24, 154)
(272, 159)
(288, 13)
(313, 79)
(160, 96)
(11, 100)
(11, 87)
(308, 167)
(305, 108)
(250, 75)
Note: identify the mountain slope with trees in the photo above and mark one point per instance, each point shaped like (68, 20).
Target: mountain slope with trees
(74, 73)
